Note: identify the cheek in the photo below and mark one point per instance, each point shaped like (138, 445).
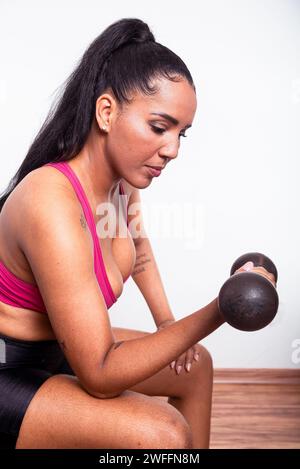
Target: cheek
(131, 142)
(136, 132)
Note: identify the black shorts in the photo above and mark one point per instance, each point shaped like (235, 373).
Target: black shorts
(24, 366)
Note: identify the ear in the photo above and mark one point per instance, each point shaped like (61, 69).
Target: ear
(106, 107)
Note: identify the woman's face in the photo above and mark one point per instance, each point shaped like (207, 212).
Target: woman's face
(141, 136)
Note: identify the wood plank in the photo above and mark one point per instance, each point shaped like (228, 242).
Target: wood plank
(257, 375)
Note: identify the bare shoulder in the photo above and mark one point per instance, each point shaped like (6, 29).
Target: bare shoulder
(41, 190)
(45, 180)
(43, 194)
(45, 185)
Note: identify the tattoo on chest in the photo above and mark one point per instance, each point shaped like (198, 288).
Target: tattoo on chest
(141, 261)
(82, 221)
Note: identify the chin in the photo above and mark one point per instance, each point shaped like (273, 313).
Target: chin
(143, 184)
(139, 183)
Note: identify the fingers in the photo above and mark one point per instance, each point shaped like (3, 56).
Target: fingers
(185, 361)
(265, 273)
(249, 266)
(189, 356)
(180, 363)
(259, 269)
(197, 351)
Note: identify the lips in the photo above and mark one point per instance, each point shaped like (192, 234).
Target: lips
(156, 167)
(154, 171)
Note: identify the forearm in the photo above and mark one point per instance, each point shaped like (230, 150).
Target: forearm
(147, 277)
(130, 362)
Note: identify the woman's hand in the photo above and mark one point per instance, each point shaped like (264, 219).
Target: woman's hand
(249, 267)
(185, 360)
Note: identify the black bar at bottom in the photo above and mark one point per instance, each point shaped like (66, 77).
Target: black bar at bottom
(132, 458)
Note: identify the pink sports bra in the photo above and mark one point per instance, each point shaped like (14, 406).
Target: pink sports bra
(16, 292)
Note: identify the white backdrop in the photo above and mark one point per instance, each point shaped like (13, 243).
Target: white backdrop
(236, 179)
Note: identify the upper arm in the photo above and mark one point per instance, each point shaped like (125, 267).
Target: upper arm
(60, 255)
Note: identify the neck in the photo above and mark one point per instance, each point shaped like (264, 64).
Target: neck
(94, 172)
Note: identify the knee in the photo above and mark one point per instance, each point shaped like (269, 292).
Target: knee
(168, 432)
(173, 433)
(208, 358)
(182, 437)
(201, 373)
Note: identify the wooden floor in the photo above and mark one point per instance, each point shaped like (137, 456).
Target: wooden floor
(256, 409)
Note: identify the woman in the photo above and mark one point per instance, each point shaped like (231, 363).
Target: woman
(70, 380)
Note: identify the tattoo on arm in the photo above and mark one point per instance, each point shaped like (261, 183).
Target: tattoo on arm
(141, 260)
(83, 221)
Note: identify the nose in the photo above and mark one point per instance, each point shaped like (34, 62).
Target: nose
(170, 151)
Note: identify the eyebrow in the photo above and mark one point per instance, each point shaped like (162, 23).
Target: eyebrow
(169, 118)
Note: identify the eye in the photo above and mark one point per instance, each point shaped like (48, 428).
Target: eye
(159, 130)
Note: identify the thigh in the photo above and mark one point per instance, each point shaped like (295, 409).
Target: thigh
(166, 382)
(63, 415)
(17, 388)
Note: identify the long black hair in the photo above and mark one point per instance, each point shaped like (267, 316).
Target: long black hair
(125, 57)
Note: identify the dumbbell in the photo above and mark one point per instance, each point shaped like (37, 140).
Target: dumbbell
(247, 300)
